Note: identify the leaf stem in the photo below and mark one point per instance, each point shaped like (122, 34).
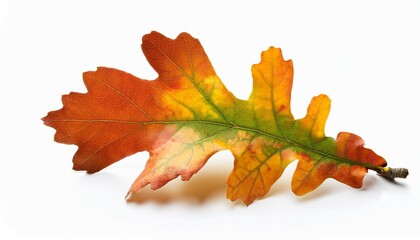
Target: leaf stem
(392, 173)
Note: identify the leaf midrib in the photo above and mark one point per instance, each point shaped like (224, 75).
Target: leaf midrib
(233, 127)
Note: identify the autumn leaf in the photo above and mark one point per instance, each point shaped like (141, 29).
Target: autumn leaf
(187, 114)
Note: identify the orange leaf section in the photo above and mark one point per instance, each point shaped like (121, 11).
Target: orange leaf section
(122, 114)
(104, 122)
(311, 173)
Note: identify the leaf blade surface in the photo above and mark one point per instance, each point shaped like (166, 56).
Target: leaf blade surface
(187, 114)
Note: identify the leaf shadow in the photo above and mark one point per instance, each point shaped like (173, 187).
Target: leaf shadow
(393, 182)
(285, 188)
(329, 187)
(200, 189)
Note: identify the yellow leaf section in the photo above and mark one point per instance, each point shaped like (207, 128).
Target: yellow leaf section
(187, 80)
(262, 161)
(272, 86)
(259, 159)
(184, 154)
(316, 116)
(259, 163)
(310, 173)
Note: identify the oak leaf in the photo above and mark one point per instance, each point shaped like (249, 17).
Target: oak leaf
(187, 114)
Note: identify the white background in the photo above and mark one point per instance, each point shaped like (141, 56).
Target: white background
(364, 55)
